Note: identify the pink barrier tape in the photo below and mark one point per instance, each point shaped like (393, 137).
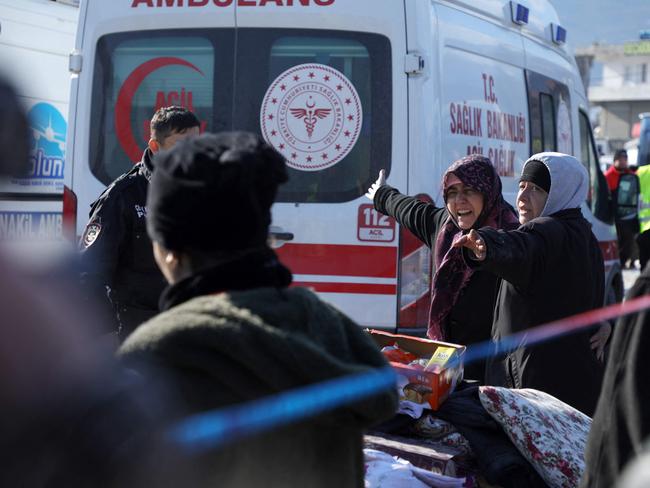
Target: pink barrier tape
(555, 329)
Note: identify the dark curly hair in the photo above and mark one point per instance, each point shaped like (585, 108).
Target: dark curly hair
(168, 120)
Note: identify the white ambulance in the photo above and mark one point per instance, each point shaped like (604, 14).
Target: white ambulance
(342, 88)
(36, 38)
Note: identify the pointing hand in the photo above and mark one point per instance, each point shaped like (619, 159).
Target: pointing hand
(474, 243)
(381, 181)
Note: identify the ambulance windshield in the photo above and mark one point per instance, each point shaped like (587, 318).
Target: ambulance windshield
(322, 98)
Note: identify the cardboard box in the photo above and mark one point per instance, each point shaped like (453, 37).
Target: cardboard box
(421, 386)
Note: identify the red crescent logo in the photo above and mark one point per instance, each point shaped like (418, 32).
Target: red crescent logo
(124, 104)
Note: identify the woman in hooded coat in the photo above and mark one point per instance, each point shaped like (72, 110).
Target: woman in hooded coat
(462, 300)
(551, 267)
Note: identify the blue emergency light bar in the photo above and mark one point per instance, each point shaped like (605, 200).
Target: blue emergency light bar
(559, 34)
(519, 13)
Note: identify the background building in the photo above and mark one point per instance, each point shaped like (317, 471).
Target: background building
(617, 77)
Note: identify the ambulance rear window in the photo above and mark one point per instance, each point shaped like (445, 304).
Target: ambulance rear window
(324, 172)
(224, 75)
(137, 73)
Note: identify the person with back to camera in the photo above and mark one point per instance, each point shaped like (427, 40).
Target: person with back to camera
(118, 268)
(233, 331)
(620, 431)
(70, 415)
(462, 300)
(550, 268)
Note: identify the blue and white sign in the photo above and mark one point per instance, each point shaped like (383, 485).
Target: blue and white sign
(47, 139)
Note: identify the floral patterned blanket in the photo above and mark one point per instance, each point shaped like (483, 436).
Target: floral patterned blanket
(549, 433)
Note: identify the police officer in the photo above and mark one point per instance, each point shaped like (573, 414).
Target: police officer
(118, 268)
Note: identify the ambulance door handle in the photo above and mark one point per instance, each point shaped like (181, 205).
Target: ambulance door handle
(282, 236)
(278, 237)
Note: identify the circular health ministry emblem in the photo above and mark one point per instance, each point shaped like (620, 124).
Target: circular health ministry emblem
(311, 114)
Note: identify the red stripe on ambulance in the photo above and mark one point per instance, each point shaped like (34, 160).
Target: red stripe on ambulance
(340, 260)
(361, 288)
(228, 3)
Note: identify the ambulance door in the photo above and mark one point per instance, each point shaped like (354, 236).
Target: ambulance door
(324, 83)
(415, 260)
(137, 58)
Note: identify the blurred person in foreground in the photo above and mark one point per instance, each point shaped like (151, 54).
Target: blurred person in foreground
(69, 415)
(118, 268)
(620, 431)
(551, 267)
(232, 330)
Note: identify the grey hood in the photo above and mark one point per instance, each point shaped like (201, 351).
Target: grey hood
(569, 181)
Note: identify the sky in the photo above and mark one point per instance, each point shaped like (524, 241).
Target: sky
(603, 21)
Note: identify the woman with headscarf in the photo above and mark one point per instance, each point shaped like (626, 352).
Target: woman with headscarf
(551, 267)
(462, 300)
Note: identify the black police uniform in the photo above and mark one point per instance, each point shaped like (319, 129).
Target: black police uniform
(116, 254)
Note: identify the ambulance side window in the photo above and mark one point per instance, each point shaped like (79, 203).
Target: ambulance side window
(549, 142)
(549, 105)
(136, 73)
(264, 56)
(598, 198)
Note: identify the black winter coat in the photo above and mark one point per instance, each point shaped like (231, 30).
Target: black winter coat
(258, 339)
(621, 424)
(116, 252)
(551, 268)
(470, 321)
